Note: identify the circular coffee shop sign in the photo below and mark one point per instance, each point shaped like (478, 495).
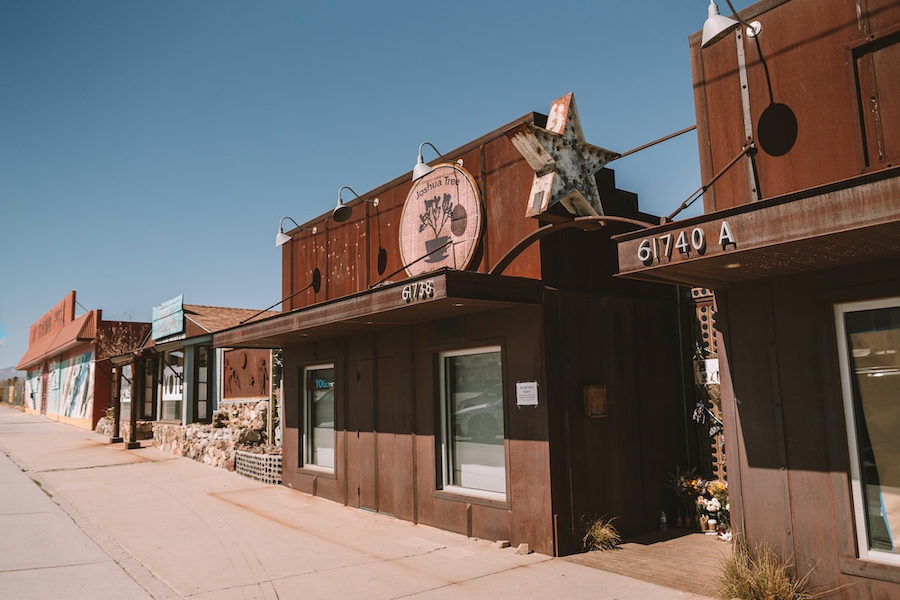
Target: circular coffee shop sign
(441, 222)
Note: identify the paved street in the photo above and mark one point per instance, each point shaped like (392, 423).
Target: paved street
(80, 518)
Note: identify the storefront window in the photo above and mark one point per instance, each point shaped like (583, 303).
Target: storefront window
(125, 393)
(869, 335)
(319, 416)
(172, 385)
(202, 411)
(472, 415)
(148, 410)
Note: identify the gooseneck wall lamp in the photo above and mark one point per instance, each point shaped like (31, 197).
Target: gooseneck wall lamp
(342, 212)
(421, 169)
(716, 26)
(281, 238)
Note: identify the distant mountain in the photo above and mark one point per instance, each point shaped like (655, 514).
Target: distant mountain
(10, 372)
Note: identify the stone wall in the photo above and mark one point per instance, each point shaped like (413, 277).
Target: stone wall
(106, 424)
(235, 426)
(210, 445)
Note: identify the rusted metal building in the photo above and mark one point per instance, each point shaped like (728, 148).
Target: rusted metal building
(457, 352)
(801, 242)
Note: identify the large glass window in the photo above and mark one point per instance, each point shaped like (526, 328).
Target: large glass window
(472, 420)
(172, 385)
(869, 336)
(202, 408)
(148, 404)
(124, 380)
(319, 416)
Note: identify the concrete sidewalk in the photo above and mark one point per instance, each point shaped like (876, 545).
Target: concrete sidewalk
(83, 519)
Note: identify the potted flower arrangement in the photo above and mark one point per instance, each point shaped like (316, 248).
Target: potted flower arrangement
(713, 507)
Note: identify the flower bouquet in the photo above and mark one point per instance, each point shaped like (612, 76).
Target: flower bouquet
(713, 506)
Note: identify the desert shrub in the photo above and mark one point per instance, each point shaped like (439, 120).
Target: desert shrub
(761, 574)
(600, 534)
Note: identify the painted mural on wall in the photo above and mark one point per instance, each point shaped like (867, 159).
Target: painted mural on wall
(33, 390)
(246, 374)
(70, 390)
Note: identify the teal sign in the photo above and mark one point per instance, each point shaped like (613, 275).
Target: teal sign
(168, 318)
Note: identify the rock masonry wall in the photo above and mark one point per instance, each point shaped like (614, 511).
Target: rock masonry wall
(235, 426)
(106, 424)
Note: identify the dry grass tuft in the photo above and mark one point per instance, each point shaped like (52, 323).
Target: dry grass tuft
(600, 534)
(761, 575)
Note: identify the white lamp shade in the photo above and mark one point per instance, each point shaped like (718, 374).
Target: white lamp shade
(421, 169)
(281, 238)
(716, 26)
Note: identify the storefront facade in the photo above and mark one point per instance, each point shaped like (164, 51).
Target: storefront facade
(177, 377)
(447, 361)
(802, 247)
(68, 375)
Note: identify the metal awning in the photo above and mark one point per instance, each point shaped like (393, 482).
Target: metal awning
(844, 223)
(436, 295)
(82, 330)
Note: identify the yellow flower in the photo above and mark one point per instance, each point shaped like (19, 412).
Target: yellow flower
(717, 487)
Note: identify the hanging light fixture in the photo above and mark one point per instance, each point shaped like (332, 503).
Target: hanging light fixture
(281, 238)
(421, 169)
(342, 211)
(716, 26)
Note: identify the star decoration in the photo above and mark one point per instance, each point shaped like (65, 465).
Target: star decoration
(564, 164)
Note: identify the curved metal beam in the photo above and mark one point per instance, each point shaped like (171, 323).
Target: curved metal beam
(584, 223)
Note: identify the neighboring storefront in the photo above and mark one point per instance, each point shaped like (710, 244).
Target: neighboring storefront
(801, 244)
(68, 374)
(459, 354)
(176, 378)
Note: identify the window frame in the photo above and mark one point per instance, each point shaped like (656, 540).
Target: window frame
(307, 440)
(858, 499)
(167, 365)
(208, 370)
(445, 455)
(124, 379)
(149, 405)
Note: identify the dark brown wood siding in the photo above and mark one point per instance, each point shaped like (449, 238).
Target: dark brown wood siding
(386, 398)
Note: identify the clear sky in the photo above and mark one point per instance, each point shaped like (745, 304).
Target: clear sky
(149, 149)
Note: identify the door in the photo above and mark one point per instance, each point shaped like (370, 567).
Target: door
(374, 462)
(45, 383)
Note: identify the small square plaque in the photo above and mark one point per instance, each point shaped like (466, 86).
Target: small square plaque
(595, 400)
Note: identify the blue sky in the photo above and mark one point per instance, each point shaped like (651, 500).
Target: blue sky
(149, 149)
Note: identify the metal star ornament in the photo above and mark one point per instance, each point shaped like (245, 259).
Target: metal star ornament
(564, 164)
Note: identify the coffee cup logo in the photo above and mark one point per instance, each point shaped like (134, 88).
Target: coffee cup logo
(441, 221)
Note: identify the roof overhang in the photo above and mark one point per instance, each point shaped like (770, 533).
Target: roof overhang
(81, 331)
(436, 295)
(844, 223)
